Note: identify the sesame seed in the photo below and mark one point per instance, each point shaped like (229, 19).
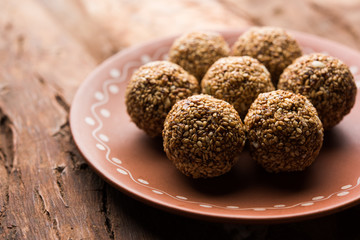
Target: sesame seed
(197, 51)
(317, 64)
(150, 95)
(272, 46)
(280, 143)
(237, 80)
(208, 152)
(326, 81)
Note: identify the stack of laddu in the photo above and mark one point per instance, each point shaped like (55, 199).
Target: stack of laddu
(207, 100)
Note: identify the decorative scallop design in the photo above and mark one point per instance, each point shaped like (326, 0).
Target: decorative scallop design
(318, 198)
(346, 187)
(116, 160)
(113, 89)
(205, 205)
(121, 171)
(99, 96)
(342, 194)
(106, 113)
(279, 206)
(181, 197)
(145, 59)
(157, 192)
(115, 73)
(104, 137)
(143, 181)
(354, 69)
(232, 207)
(306, 204)
(100, 146)
(90, 121)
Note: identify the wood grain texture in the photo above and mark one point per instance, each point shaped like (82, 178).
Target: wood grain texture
(47, 191)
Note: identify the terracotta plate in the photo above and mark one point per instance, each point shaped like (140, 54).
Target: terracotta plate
(125, 157)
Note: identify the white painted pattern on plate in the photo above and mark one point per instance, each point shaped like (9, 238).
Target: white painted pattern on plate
(110, 86)
(121, 171)
(181, 197)
(342, 193)
(105, 112)
(90, 121)
(100, 146)
(104, 137)
(232, 207)
(116, 160)
(99, 96)
(205, 205)
(354, 69)
(259, 209)
(115, 73)
(346, 186)
(157, 192)
(279, 205)
(317, 198)
(113, 89)
(145, 59)
(143, 181)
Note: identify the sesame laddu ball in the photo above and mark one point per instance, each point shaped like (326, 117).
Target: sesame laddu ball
(197, 51)
(272, 46)
(326, 82)
(284, 131)
(202, 136)
(153, 90)
(237, 80)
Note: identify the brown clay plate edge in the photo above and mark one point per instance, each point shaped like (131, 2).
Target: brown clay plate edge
(238, 218)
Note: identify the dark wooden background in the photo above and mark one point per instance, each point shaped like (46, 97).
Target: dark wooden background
(47, 47)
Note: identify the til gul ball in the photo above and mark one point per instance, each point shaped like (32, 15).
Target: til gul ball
(153, 89)
(237, 80)
(326, 81)
(272, 46)
(202, 136)
(284, 131)
(197, 51)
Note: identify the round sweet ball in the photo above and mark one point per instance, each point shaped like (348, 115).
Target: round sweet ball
(153, 90)
(237, 80)
(272, 46)
(202, 136)
(284, 131)
(326, 82)
(197, 51)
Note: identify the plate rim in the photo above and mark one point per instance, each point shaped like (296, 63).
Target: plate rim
(200, 214)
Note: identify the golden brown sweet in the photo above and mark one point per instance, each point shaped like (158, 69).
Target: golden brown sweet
(202, 136)
(197, 51)
(284, 131)
(326, 82)
(153, 90)
(272, 46)
(237, 80)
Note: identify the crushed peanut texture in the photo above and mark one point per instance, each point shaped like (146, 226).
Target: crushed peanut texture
(326, 82)
(272, 46)
(202, 136)
(237, 80)
(153, 90)
(197, 51)
(284, 131)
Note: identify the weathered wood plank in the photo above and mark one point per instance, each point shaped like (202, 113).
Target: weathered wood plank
(49, 191)
(336, 21)
(132, 22)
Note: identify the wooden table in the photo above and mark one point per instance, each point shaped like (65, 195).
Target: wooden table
(47, 47)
